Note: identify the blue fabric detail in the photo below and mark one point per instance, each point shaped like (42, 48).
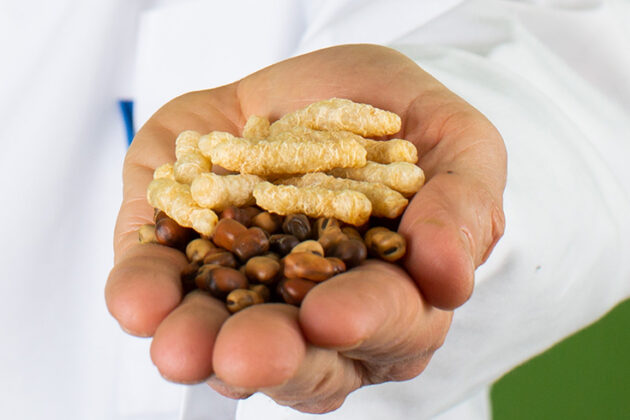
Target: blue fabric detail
(126, 108)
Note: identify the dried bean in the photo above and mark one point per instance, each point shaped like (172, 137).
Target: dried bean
(308, 266)
(311, 246)
(385, 244)
(240, 299)
(262, 269)
(330, 238)
(339, 265)
(146, 234)
(262, 290)
(188, 277)
(351, 251)
(297, 225)
(243, 215)
(282, 244)
(222, 258)
(203, 276)
(197, 249)
(351, 232)
(324, 223)
(226, 232)
(224, 279)
(269, 222)
(169, 233)
(293, 291)
(250, 243)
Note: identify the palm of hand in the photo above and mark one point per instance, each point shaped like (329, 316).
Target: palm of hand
(373, 324)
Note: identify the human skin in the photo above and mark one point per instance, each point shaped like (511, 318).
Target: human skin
(376, 323)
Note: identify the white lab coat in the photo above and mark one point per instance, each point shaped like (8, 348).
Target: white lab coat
(559, 98)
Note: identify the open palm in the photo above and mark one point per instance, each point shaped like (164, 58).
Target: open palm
(372, 324)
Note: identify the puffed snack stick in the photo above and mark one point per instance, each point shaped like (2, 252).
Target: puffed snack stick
(218, 192)
(300, 150)
(404, 177)
(164, 171)
(256, 128)
(385, 201)
(190, 162)
(348, 206)
(174, 199)
(341, 114)
(389, 151)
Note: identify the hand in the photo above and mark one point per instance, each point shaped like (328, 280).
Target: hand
(373, 324)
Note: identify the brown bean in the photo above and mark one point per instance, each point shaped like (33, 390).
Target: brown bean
(297, 225)
(339, 265)
(351, 232)
(262, 269)
(269, 222)
(224, 279)
(243, 215)
(146, 234)
(282, 243)
(226, 232)
(324, 223)
(250, 243)
(330, 238)
(240, 299)
(308, 266)
(293, 291)
(385, 244)
(311, 246)
(197, 249)
(262, 290)
(222, 258)
(351, 251)
(169, 233)
(158, 214)
(203, 276)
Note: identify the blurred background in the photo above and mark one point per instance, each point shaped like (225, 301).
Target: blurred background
(586, 376)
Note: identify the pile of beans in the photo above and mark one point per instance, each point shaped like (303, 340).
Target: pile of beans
(255, 256)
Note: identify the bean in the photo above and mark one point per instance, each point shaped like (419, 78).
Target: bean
(308, 266)
(324, 223)
(351, 232)
(262, 269)
(282, 244)
(269, 222)
(146, 234)
(222, 258)
(240, 299)
(169, 233)
(250, 243)
(293, 291)
(243, 215)
(351, 251)
(203, 276)
(262, 290)
(311, 246)
(330, 238)
(197, 249)
(339, 265)
(222, 280)
(385, 244)
(297, 225)
(226, 232)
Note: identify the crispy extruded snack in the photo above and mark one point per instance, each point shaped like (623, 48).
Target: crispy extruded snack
(190, 162)
(209, 141)
(385, 201)
(348, 206)
(298, 150)
(256, 128)
(341, 114)
(218, 192)
(404, 177)
(174, 199)
(164, 171)
(389, 151)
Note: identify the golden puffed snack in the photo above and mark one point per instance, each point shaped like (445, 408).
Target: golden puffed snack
(218, 192)
(209, 141)
(348, 206)
(299, 150)
(174, 199)
(256, 128)
(341, 114)
(388, 151)
(164, 171)
(404, 177)
(190, 162)
(385, 201)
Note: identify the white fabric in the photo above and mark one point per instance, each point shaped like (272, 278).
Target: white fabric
(559, 97)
